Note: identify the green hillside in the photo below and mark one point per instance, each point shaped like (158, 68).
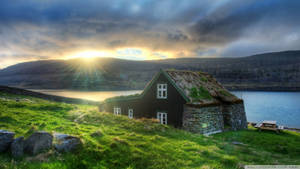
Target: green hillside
(118, 142)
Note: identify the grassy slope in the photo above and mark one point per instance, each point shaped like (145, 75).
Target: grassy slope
(125, 143)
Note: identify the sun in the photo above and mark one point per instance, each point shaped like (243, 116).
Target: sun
(89, 55)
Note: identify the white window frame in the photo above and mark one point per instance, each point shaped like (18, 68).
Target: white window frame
(162, 91)
(162, 117)
(130, 113)
(117, 110)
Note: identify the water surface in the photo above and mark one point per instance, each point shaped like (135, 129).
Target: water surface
(284, 107)
(88, 95)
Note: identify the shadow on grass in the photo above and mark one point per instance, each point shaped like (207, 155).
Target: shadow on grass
(285, 142)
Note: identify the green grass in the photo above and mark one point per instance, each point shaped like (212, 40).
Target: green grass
(120, 142)
(203, 78)
(119, 98)
(200, 93)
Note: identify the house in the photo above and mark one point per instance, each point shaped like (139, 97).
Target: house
(190, 100)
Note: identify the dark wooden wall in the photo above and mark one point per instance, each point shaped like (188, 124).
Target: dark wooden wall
(149, 105)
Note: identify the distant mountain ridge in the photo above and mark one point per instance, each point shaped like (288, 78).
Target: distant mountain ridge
(269, 71)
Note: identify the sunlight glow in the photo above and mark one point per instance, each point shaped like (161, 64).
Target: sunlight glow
(141, 54)
(90, 54)
(131, 53)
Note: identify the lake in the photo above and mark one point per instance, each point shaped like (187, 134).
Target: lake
(88, 95)
(284, 107)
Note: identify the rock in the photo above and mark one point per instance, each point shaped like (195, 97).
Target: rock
(38, 142)
(42, 157)
(17, 147)
(66, 143)
(6, 138)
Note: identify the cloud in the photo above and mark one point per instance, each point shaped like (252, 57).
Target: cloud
(187, 28)
(237, 18)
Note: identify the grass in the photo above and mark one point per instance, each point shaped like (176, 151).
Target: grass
(118, 142)
(118, 98)
(203, 78)
(200, 93)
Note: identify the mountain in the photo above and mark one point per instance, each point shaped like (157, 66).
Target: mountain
(269, 71)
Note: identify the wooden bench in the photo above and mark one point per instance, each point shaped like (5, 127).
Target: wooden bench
(268, 125)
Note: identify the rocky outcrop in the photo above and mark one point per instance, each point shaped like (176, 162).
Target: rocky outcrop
(6, 138)
(38, 142)
(66, 143)
(17, 147)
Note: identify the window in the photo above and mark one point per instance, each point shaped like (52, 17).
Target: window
(130, 113)
(117, 110)
(162, 117)
(161, 91)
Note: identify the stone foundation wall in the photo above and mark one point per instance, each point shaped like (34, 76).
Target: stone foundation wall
(203, 120)
(235, 116)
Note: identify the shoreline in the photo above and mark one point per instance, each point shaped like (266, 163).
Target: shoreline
(120, 90)
(264, 88)
(18, 91)
(227, 86)
(284, 127)
(14, 90)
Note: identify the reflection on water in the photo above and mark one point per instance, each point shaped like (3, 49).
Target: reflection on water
(89, 95)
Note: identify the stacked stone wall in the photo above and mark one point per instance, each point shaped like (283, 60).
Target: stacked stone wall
(203, 119)
(235, 116)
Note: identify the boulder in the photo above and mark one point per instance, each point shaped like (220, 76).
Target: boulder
(66, 143)
(38, 142)
(17, 147)
(6, 138)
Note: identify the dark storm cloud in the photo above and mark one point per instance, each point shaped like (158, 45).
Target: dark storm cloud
(187, 28)
(234, 19)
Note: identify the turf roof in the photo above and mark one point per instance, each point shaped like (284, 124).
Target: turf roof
(195, 87)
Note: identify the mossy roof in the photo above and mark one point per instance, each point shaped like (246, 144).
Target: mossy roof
(196, 88)
(122, 98)
(200, 87)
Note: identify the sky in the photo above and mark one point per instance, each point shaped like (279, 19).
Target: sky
(145, 29)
